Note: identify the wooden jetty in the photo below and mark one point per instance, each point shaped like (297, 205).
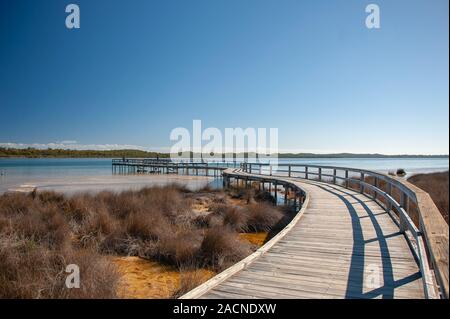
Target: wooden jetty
(357, 234)
(166, 166)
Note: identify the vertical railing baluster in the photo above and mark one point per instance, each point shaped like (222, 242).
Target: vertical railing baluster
(404, 203)
(376, 188)
(361, 186)
(346, 178)
(276, 193)
(286, 189)
(389, 192)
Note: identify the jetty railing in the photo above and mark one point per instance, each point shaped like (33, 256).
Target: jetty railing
(167, 166)
(413, 209)
(167, 161)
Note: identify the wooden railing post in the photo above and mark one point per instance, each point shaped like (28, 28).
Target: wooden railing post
(389, 192)
(286, 189)
(306, 172)
(289, 173)
(276, 193)
(361, 186)
(334, 176)
(376, 186)
(320, 173)
(404, 203)
(346, 178)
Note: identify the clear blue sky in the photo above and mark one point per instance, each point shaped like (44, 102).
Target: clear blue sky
(137, 69)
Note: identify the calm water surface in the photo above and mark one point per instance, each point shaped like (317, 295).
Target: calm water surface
(23, 172)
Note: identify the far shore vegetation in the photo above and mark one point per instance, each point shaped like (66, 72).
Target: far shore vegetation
(187, 235)
(132, 153)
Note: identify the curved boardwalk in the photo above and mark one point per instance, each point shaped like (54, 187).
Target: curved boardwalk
(344, 246)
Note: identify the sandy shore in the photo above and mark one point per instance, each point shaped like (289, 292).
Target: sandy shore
(115, 183)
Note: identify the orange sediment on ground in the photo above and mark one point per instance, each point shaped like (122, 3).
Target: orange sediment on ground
(145, 279)
(257, 239)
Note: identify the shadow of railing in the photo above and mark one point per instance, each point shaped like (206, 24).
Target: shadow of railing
(356, 278)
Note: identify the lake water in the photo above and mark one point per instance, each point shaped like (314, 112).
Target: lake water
(79, 174)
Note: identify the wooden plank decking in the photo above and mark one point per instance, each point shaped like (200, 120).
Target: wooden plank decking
(344, 246)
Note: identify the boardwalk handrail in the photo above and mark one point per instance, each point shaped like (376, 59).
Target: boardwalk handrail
(244, 263)
(427, 235)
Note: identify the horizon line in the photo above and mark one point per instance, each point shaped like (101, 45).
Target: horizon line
(291, 153)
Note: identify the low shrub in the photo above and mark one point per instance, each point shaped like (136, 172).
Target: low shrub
(221, 248)
(262, 217)
(189, 279)
(235, 217)
(180, 249)
(30, 270)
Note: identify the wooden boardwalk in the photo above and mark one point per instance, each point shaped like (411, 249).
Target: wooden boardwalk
(344, 246)
(343, 243)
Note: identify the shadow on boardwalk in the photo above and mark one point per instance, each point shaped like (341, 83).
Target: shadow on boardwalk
(356, 273)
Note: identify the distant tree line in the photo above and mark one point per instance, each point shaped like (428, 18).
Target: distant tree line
(35, 153)
(355, 155)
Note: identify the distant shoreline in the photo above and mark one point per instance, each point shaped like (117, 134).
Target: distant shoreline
(63, 153)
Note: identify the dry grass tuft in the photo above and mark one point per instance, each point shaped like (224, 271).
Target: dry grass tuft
(188, 280)
(221, 248)
(263, 217)
(30, 270)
